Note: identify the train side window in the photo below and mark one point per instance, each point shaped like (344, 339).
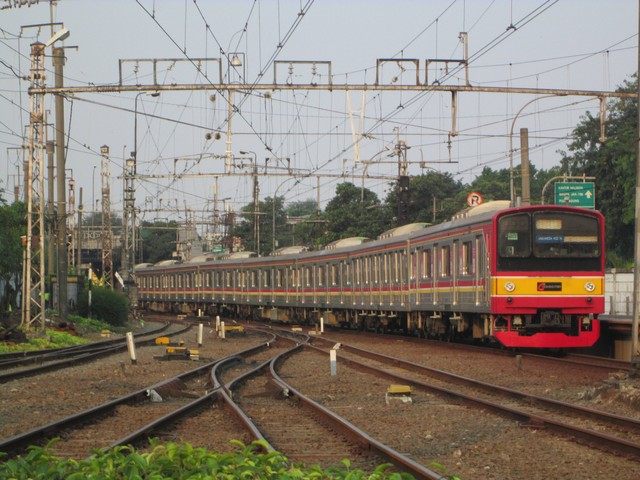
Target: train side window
(348, 272)
(320, 276)
(396, 266)
(425, 263)
(334, 275)
(358, 270)
(367, 270)
(466, 260)
(413, 265)
(445, 261)
(228, 279)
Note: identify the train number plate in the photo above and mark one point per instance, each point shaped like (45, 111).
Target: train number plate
(549, 286)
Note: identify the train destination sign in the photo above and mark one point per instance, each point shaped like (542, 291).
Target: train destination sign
(576, 194)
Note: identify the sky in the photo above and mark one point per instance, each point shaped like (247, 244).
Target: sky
(565, 44)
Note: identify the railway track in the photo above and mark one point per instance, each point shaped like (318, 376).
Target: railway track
(566, 358)
(245, 384)
(126, 418)
(48, 360)
(613, 433)
(307, 432)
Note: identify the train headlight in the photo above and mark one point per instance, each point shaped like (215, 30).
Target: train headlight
(589, 286)
(509, 286)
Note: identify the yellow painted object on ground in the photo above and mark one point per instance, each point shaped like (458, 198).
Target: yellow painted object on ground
(162, 341)
(234, 328)
(398, 392)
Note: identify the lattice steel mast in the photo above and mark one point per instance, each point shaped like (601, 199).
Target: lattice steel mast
(107, 238)
(33, 299)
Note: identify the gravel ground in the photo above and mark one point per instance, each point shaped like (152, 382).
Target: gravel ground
(33, 401)
(471, 444)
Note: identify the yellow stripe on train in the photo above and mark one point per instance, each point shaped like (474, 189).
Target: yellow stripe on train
(548, 286)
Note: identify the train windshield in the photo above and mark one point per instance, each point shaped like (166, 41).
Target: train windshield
(548, 240)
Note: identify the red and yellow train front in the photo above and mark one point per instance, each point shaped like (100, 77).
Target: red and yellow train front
(547, 286)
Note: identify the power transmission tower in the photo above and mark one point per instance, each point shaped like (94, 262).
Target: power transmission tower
(71, 222)
(33, 299)
(107, 238)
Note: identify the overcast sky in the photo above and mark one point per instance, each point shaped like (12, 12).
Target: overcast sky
(566, 44)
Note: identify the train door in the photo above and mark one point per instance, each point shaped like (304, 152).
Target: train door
(414, 276)
(482, 271)
(455, 274)
(436, 274)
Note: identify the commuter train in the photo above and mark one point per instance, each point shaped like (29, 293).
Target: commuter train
(527, 277)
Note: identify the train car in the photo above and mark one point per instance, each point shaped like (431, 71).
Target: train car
(527, 277)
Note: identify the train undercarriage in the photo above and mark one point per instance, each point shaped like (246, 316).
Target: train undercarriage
(510, 330)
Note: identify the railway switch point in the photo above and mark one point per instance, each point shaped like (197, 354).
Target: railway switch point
(398, 392)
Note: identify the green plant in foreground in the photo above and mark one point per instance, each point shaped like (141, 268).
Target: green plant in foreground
(180, 462)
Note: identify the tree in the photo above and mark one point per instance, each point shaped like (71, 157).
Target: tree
(355, 212)
(14, 225)
(432, 198)
(613, 165)
(307, 224)
(158, 240)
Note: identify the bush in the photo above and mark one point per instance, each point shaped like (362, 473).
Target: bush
(178, 461)
(107, 305)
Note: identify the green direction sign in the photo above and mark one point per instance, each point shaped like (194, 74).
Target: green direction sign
(576, 194)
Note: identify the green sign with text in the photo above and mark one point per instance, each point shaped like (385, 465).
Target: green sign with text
(576, 194)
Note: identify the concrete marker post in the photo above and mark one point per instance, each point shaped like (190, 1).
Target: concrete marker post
(131, 346)
(333, 355)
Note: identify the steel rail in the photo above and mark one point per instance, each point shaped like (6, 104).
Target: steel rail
(82, 358)
(401, 462)
(598, 440)
(15, 444)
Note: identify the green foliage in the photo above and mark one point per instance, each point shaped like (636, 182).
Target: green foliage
(107, 305)
(14, 225)
(179, 461)
(613, 164)
(53, 339)
(88, 324)
(355, 212)
(158, 240)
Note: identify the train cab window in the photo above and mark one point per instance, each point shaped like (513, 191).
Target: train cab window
(565, 235)
(514, 235)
